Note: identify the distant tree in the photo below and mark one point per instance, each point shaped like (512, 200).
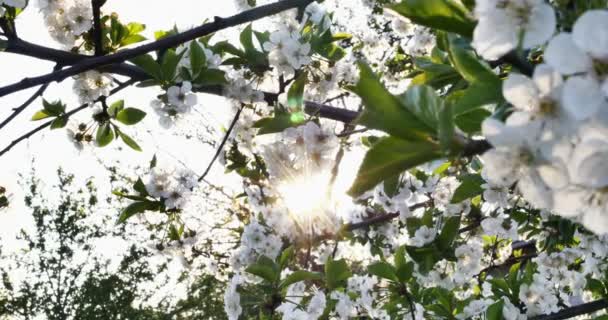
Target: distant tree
(62, 277)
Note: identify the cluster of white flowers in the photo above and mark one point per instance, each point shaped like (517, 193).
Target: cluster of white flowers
(364, 295)
(179, 101)
(67, 20)
(174, 187)
(212, 60)
(290, 309)
(241, 90)
(287, 51)
(11, 3)
(91, 85)
(256, 241)
(501, 24)
(554, 144)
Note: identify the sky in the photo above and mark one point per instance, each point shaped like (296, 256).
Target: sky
(50, 149)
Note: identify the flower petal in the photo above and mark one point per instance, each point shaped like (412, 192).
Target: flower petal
(547, 80)
(494, 36)
(541, 26)
(521, 92)
(564, 56)
(589, 33)
(582, 97)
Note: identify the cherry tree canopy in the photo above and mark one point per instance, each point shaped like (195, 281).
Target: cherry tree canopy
(423, 159)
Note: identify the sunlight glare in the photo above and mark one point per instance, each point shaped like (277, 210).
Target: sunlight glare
(305, 196)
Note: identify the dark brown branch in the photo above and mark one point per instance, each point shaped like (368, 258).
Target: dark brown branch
(25, 48)
(572, 312)
(97, 27)
(475, 147)
(70, 113)
(329, 112)
(380, 218)
(167, 42)
(220, 148)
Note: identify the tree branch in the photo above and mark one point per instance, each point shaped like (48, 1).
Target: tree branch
(70, 113)
(22, 107)
(380, 218)
(571, 312)
(223, 143)
(167, 42)
(97, 27)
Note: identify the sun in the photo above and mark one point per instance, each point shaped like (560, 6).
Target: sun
(305, 194)
(309, 202)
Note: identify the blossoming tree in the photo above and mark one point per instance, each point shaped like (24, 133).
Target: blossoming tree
(482, 127)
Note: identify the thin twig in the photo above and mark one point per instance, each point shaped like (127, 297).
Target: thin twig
(223, 143)
(22, 107)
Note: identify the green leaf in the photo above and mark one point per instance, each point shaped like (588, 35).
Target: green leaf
(246, 39)
(129, 141)
(59, 122)
(399, 257)
(130, 116)
(298, 276)
(169, 65)
(295, 95)
(339, 36)
(175, 233)
(446, 15)
(131, 39)
(468, 188)
(494, 312)
(281, 121)
(388, 157)
(433, 74)
(105, 135)
(211, 77)
(133, 209)
(404, 272)
(54, 108)
(262, 37)
(425, 257)
(470, 122)
(149, 65)
(286, 256)
(448, 233)
(42, 114)
(153, 162)
(336, 273)
(472, 69)
(424, 103)
(116, 107)
(391, 186)
(140, 187)
(227, 47)
(331, 51)
(265, 269)
(135, 27)
(198, 60)
(446, 129)
(383, 111)
(383, 270)
(478, 95)
(128, 196)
